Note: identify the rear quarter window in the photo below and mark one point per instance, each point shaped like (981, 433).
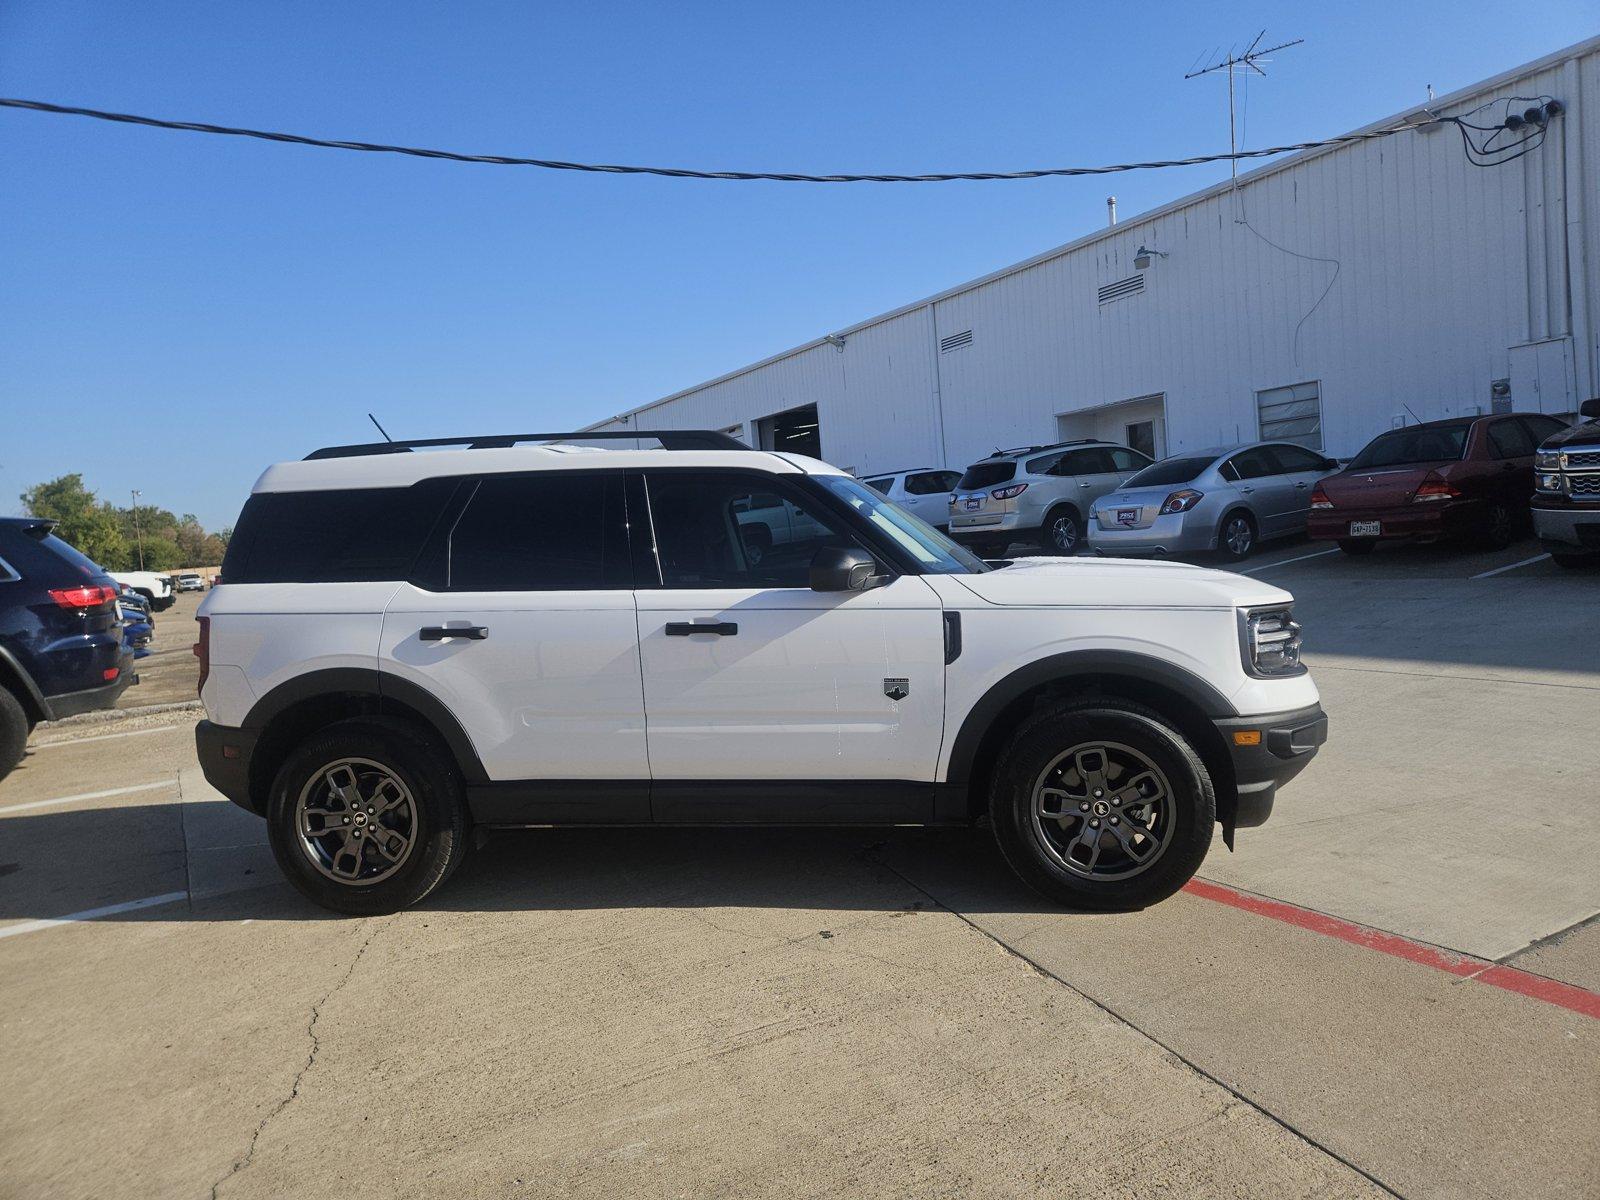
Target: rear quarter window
(338, 536)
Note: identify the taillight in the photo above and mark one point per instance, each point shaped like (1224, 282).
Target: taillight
(1181, 501)
(1435, 487)
(1006, 493)
(88, 596)
(202, 651)
(1319, 498)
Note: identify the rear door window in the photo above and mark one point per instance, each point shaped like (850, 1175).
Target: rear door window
(1128, 460)
(1254, 463)
(883, 485)
(1510, 439)
(556, 531)
(1095, 461)
(927, 483)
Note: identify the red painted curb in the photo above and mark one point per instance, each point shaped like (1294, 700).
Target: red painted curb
(1463, 966)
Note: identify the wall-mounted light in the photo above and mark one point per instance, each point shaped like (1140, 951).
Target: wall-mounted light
(1143, 258)
(834, 340)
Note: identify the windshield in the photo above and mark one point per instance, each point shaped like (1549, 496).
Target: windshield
(937, 554)
(987, 474)
(1169, 470)
(1412, 446)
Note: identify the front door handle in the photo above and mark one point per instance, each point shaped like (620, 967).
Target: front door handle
(438, 633)
(1083, 483)
(1301, 486)
(689, 628)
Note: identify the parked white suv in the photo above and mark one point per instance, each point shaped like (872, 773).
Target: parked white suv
(922, 492)
(408, 644)
(155, 588)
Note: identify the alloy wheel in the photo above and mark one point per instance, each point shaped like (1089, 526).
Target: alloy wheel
(1103, 811)
(1064, 533)
(356, 821)
(1238, 536)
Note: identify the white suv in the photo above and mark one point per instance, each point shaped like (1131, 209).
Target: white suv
(1038, 494)
(405, 645)
(922, 492)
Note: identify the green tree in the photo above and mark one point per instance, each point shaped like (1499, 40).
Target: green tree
(82, 519)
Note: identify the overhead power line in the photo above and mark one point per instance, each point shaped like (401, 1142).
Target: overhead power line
(503, 160)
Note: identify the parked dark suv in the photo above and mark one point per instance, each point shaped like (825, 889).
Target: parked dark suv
(61, 646)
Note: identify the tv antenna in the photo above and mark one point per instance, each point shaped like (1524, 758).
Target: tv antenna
(1252, 58)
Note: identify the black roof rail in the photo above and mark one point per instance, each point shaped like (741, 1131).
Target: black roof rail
(670, 439)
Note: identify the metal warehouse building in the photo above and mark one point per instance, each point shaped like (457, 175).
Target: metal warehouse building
(1336, 293)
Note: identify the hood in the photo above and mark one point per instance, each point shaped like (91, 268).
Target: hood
(1117, 583)
(1584, 432)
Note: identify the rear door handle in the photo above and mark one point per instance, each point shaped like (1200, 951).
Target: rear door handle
(689, 628)
(1302, 486)
(438, 633)
(1246, 490)
(1083, 483)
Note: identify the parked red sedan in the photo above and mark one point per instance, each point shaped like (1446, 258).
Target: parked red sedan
(1468, 478)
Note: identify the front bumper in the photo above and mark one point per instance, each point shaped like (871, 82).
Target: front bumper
(1274, 748)
(1567, 527)
(225, 755)
(1165, 535)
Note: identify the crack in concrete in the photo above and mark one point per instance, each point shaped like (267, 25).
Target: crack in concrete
(248, 1157)
(1282, 1122)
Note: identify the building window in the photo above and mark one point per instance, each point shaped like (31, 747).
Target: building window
(1291, 414)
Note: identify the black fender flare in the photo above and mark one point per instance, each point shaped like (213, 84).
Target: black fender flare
(386, 689)
(1076, 664)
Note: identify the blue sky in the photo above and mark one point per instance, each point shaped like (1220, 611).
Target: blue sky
(177, 311)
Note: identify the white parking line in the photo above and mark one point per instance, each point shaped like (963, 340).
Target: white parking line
(90, 914)
(1524, 563)
(106, 737)
(1286, 561)
(122, 791)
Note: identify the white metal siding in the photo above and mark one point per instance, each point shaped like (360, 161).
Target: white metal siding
(1442, 269)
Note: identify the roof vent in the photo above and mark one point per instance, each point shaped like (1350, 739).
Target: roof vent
(1130, 286)
(955, 341)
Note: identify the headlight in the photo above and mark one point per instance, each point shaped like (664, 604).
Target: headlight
(1547, 483)
(1547, 460)
(1270, 642)
(1181, 501)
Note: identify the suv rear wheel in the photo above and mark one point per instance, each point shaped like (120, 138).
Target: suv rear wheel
(367, 817)
(1063, 531)
(1102, 805)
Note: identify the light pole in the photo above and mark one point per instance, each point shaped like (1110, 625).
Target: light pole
(136, 532)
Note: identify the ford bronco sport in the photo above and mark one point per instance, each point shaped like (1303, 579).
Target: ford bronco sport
(409, 641)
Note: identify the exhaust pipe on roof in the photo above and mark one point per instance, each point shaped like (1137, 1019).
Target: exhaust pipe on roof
(1111, 210)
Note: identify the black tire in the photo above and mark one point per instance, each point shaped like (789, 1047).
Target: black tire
(435, 805)
(1574, 562)
(1232, 545)
(15, 725)
(1179, 832)
(1356, 547)
(1062, 532)
(1499, 527)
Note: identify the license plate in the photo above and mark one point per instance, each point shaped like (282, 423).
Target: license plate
(1366, 528)
(1127, 516)
(974, 504)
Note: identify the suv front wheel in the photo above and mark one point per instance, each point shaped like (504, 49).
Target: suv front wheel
(367, 817)
(1101, 804)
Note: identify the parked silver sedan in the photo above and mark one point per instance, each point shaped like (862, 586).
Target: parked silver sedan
(1227, 498)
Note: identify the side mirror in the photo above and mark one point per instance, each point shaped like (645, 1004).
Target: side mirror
(1330, 464)
(1590, 409)
(836, 569)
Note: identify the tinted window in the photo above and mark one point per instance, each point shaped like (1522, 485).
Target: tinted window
(1255, 463)
(1128, 460)
(1295, 458)
(928, 483)
(40, 555)
(883, 485)
(553, 532)
(1439, 444)
(1540, 428)
(1509, 439)
(1045, 464)
(709, 535)
(1087, 462)
(988, 474)
(1170, 470)
(340, 536)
